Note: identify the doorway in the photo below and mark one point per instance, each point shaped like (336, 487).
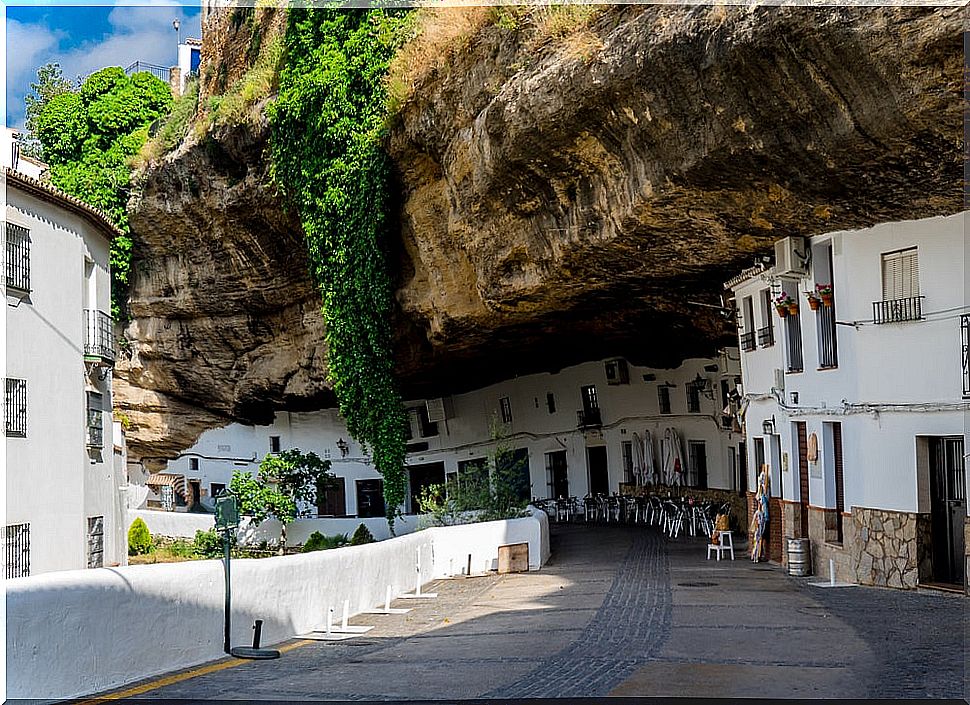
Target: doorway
(370, 498)
(599, 474)
(556, 474)
(422, 477)
(801, 431)
(743, 468)
(948, 507)
(697, 464)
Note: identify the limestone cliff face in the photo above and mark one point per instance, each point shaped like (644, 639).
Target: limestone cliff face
(560, 199)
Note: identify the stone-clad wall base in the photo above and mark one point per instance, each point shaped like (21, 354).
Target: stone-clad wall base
(823, 535)
(887, 551)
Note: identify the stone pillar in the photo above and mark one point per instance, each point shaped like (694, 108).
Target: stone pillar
(175, 80)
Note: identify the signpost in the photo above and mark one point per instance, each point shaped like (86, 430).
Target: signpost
(227, 521)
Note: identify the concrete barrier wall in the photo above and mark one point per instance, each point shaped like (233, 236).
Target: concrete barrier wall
(74, 633)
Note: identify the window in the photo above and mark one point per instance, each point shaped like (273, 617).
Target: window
(590, 415)
(551, 402)
(901, 300)
(193, 465)
(726, 418)
(663, 393)
(505, 405)
(18, 258)
(793, 334)
(627, 448)
(332, 501)
(16, 550)
(274, 444)
(95, 420)
(900, 275)
(216, 489)
(766, 334)
(15, 407)
(427, 427)
(748, 332)
(617, 372)
(693, 398)
(96, 542)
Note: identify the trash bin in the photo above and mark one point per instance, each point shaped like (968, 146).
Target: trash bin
(799, 557)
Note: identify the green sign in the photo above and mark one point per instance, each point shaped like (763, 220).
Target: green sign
(227, 512)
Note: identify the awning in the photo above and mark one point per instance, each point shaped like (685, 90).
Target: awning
(165, 479)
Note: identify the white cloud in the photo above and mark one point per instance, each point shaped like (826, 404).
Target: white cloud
(142, 33)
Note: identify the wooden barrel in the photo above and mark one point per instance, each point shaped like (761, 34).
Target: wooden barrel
(799, 557)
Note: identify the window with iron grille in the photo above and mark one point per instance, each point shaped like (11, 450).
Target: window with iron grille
(274, 444)
(95, 420)
(693, 398)
(18, 258)
(505, 406)
(96, 542)
(15, 407)
(16, 550)
(663, 394)
(901, 300)
(965, 330)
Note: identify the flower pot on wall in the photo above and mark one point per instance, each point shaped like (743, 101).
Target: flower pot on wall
(813, 303)
(827, 300)
(782, 311)
(793, 309)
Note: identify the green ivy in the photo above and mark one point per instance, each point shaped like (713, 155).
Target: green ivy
(329, 161)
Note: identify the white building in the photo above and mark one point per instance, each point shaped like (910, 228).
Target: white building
(859, 408)
(189, 59)
(63, 504)
(576, 428)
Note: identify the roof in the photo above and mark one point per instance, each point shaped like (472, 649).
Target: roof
(96, 217)
(745, 275)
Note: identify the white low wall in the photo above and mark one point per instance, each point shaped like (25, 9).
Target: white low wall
(184, 525)
(74, 633)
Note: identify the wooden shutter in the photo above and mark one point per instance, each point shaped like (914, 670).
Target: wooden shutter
(900, 275)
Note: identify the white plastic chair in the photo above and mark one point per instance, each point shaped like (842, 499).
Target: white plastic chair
(725, 544)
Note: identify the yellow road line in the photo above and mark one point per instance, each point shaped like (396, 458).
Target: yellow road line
(182, 676)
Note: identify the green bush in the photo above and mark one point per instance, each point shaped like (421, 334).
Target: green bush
(319, 542)
(361, 536)
(139, 538)
(208, 544)
(182, 548)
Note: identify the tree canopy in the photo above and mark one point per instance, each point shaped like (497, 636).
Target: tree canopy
(88, 136)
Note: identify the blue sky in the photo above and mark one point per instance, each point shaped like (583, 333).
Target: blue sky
(85, 38)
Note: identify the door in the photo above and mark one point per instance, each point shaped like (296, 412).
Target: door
(556, 474)
(370, 498)
(599, 475)
(839, 481)
(801, 430)
(697, 464)
(948, 506)
(512, 468)
(743, 468)
(421, 477)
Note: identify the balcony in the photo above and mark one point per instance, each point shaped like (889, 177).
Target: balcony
(98, 338)
(747, 341)
(766, 336)
(898, 310)
(589, 418)
(95, 437)
(965, 335)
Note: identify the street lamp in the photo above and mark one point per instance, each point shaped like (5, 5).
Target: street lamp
(178, 34)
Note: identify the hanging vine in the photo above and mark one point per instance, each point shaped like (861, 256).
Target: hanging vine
(329, 161)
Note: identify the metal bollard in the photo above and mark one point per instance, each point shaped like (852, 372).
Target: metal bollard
(257, 631)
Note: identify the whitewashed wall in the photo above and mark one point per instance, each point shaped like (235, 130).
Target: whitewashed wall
(913, 362)
(54, 482)
(74, 633)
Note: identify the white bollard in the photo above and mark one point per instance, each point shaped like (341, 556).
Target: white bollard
(346, 614)
(387, 599)
(417, 567)
(329, 620)
(831, 571)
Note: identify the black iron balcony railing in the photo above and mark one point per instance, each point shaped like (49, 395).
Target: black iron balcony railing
(766, 336)
(98, 343)
(159, 72)
(898, 310)
(828, 356)
(747, 341)
(589, 418)
(793, 340)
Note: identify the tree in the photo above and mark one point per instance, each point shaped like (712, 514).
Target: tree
(89, 136)
(50, 83)
(284, 482)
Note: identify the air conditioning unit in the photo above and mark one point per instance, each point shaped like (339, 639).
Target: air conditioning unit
(792, 257)
(438, 410)
(779, 379)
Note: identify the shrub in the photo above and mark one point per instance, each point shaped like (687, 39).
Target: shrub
(139, 538)
(318, 542)
(361, 536)
(182, 548)
(208, 544)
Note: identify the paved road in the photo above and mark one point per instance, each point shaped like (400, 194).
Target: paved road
(621, 611)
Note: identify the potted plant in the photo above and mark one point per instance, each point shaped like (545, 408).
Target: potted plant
(813, 300)
(783, 304)
(824, 292)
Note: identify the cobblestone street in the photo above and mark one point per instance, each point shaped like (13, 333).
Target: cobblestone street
(621, 611)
